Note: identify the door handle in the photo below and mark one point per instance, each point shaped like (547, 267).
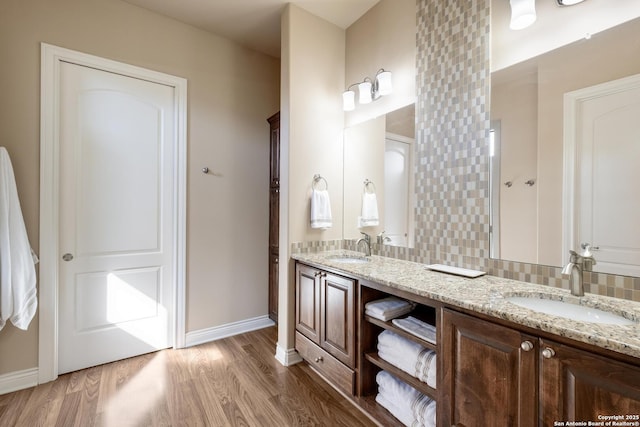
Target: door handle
(67, 257)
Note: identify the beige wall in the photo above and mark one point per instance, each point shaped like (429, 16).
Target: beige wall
(232, 91)
(311, 123)
(514, 105)
(364, 147)
(384, 37)
(319, 60)
(316, 120)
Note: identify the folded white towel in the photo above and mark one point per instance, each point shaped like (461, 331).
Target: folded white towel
(409, 356)
(388, 308)
(320, 209)
(417, 327)
(407, 404)
(18, 300)
(370, 217)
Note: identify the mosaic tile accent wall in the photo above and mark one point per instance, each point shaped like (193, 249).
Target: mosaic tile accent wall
(452, 180)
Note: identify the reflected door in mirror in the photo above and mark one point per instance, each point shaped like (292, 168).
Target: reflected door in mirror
(397, 178)
(606, 143)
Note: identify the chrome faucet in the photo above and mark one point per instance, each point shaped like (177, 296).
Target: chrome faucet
(381, 239)
(577, 265)
(367, 241)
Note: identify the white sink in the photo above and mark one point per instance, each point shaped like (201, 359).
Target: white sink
(347, 259)
(568, 310)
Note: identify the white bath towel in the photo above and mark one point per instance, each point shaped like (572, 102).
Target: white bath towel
(18, 301)
(407, 404)
(388, 308)
(320, 209)
(409, 356)
(369, 214)
(417, 327)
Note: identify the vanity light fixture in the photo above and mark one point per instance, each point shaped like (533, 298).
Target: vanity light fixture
(368, 90)
(523, 13)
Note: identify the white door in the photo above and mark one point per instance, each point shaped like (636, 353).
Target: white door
(608, 172)
(397, 172)
(117, 145)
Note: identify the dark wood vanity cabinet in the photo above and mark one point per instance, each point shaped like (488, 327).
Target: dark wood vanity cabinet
(502, 376)
(325, 323)
(489, 374)
(582, 386)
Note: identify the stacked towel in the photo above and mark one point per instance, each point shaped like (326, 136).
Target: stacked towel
(388, 308)
(409, 356)
(369, 213)
(320, 209)
(417, 327)
(18, 299)
(408, 405)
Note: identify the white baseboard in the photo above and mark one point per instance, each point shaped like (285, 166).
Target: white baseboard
(18, 380)
(211, 334)
(287, 357)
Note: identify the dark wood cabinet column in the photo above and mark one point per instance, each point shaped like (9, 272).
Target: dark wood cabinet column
(274, 213)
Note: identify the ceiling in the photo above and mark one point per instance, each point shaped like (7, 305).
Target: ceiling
(253, 23)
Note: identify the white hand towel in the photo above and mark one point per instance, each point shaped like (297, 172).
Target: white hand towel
(18, 301)
(417, 327)
(407, 404)
(320, 209)
(370, 217)
(409, 356)
(388, 308)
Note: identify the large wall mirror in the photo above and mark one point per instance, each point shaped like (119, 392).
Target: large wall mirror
(378, 178)
(565, 147)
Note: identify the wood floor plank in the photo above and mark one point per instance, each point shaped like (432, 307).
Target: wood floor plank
(235, 381)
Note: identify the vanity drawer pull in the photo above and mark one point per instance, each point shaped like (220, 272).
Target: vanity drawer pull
(318, 359)
(548, 353)
(526, 346)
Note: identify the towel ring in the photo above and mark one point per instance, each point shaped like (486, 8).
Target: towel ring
(317, 178)
(368, 183)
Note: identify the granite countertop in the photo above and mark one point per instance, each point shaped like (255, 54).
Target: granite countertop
(486, 294)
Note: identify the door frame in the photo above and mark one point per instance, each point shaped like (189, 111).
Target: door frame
(51, 57)
(572, 106)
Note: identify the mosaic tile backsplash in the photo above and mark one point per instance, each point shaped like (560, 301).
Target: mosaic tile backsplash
(452, 179)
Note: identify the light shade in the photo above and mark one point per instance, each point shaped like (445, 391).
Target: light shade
(348, 100)
(364, 91)
(523, 14)
(383, 80)
(569, 2)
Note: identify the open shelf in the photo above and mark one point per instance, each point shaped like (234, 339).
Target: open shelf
(391, 327)
(422, 387)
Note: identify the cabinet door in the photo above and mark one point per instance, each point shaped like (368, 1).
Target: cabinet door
(338, 319)
(308, 302)
(579, 386)
(273, 284)
(488, 377)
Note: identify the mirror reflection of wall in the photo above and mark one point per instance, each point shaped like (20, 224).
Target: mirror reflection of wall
(527, 101)
(380, 151)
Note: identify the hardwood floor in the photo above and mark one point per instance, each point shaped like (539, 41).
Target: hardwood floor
(231, 382)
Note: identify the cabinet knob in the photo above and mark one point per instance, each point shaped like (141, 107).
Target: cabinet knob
(526, 345)
(548, 353)
(275, 261)
(318, 359)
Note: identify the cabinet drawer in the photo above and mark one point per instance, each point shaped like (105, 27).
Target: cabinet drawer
(339, 375)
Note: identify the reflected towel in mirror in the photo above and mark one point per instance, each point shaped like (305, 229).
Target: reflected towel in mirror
(370, 217)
